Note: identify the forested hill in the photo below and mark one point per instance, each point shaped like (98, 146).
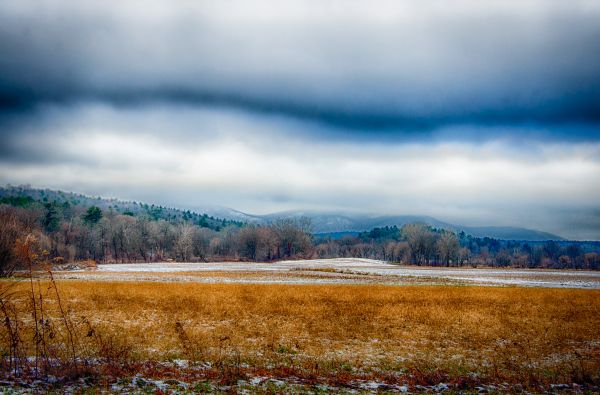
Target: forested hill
(24, 196)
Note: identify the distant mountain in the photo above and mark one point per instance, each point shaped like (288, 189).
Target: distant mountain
(509, 233)
(230, 214)
(345, 223)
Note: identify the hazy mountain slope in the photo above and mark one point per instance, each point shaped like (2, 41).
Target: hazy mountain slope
(231, 214)
(335, 223)
(509, 233)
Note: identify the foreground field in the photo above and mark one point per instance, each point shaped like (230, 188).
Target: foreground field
(279, 338)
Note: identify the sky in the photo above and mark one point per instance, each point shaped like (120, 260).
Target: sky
(476, 113)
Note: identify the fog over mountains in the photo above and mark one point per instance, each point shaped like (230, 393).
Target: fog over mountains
(324, 222)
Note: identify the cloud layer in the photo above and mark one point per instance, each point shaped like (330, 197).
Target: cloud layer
(411, 65)
(190, 157)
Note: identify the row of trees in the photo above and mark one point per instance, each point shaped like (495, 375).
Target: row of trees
(69, 233)
(420, 244)
(76, 234)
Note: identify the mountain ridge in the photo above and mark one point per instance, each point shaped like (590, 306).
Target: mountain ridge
(324, 222)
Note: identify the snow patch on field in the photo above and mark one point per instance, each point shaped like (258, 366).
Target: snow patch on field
(356, 266)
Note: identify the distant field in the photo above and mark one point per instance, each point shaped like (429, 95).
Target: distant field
(363, 337)
(338, 271)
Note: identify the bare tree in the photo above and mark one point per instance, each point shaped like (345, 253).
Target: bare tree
(201, 240)
(421, 241)
(448, 247)
(10, 230)
(184, 246)
(293, 237)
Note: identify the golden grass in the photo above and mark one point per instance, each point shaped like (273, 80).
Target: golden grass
(510, 334)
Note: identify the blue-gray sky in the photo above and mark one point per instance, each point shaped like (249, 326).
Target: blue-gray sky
(473, 112)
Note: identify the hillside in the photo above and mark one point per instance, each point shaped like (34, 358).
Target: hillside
(24, 195)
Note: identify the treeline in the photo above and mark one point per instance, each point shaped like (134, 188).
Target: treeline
(420, 244)
(69, 233)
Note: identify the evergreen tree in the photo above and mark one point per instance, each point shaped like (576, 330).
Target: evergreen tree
(92, 215)
(51, 219)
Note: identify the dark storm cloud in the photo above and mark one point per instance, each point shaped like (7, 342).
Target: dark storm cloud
(409, 67)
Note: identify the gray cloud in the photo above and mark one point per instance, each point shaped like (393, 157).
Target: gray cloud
(409, 66)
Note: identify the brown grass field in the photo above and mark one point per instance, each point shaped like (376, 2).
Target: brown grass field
(333, 334)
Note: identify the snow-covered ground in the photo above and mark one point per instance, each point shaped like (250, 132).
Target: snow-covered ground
(170, 267)
(484, 276)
